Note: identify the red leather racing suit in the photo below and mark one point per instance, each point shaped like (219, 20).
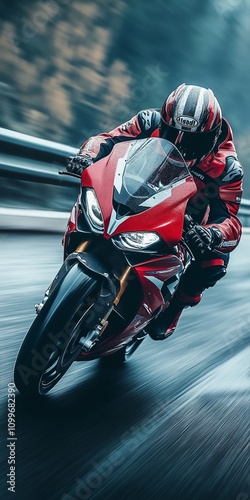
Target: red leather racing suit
(216, 202)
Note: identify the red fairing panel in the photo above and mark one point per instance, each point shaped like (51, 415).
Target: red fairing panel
(154, 219)
(71, 226)
(151, 276)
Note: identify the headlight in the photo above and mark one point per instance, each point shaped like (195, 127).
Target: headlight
(136, 241)
(93, 210)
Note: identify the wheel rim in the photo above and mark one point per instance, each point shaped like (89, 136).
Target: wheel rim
(62, 357)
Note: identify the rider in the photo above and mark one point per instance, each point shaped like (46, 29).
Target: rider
(191, 119)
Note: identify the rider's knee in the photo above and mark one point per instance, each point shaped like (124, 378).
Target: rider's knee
(210, 275)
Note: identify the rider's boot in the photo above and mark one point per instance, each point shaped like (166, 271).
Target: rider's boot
(165, 324)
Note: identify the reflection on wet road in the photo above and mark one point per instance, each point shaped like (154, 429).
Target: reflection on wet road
(173, 423)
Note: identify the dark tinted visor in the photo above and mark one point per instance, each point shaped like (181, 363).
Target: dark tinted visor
(192, 145)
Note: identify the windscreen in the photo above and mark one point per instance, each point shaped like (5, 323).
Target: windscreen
(146, 175)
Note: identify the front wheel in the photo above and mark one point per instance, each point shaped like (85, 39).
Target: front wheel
(52, 342)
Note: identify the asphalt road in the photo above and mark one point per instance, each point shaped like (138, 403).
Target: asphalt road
(173, 423)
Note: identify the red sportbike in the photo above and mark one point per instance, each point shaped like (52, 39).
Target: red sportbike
(124, 257)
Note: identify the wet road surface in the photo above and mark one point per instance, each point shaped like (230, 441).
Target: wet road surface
(172, 423)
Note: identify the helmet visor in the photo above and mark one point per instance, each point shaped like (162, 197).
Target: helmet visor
(192, 145)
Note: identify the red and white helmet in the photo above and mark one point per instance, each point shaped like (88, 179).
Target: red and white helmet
(191, 119)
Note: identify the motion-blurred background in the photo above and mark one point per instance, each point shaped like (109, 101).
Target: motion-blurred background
(72, 68)
(177, 415)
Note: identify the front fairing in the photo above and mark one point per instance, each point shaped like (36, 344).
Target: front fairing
(146, 175)
(143, 185)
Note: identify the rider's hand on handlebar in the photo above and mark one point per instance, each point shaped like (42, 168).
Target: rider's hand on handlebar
(78, 163)
(200, 238)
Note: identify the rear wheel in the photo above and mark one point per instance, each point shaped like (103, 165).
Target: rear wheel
(52, 343)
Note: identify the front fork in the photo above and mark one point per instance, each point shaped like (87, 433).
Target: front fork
(116, 288)
(95, 335)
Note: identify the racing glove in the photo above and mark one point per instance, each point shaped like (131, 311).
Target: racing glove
(200, 238)
(78, 163)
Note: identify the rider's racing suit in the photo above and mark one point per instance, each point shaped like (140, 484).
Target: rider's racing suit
(219, 189)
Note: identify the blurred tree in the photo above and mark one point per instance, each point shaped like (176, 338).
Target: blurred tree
(70, 69)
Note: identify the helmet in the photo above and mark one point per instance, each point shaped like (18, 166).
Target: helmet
(191, 119)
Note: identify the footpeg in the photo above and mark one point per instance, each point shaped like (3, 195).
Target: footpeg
(142, 335)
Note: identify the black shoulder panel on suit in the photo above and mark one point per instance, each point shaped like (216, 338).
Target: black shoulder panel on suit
(233, 171)
(149, 120)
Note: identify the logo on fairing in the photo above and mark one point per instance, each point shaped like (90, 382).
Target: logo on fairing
(198, 174)
(187, 121)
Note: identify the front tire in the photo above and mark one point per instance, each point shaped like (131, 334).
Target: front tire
(52, 342)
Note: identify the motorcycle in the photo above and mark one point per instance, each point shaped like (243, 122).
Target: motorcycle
(124, 256)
